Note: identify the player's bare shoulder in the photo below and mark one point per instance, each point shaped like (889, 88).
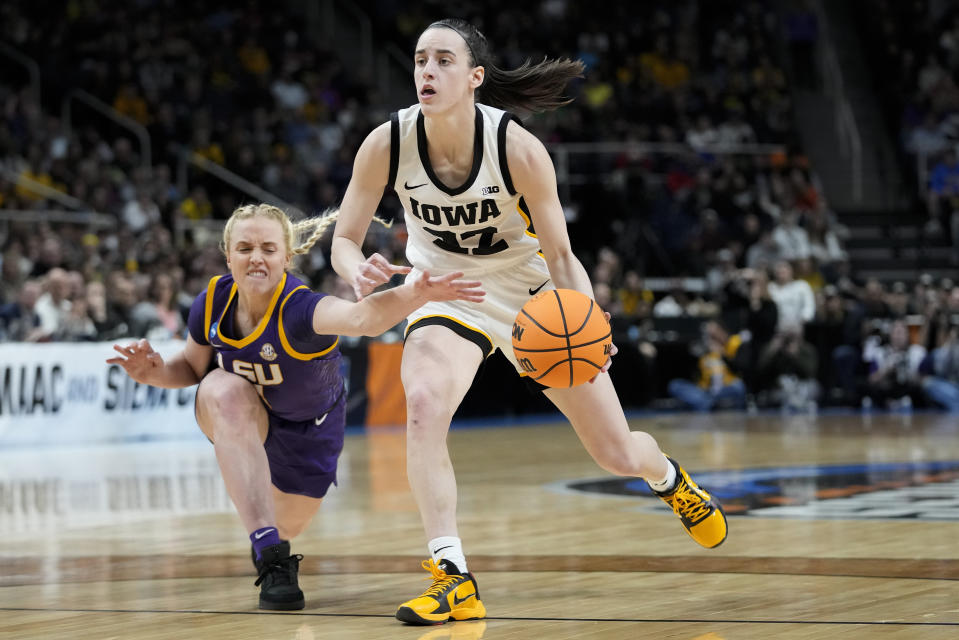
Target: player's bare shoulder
(371, 165)
(525, 153)
(378, 140)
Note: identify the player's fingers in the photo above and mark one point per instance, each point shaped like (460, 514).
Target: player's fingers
(126, 351)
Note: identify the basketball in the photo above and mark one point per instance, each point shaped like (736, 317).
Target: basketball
(561, 338)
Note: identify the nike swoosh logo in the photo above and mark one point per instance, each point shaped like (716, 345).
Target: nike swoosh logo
(262, 533)
(320, 421)
(449, 546)
(406, 185)
(458, 600)
(533, 292)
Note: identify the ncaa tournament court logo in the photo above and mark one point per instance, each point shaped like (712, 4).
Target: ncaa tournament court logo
(906, 490)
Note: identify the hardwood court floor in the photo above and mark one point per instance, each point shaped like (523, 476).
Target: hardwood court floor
(841, 526)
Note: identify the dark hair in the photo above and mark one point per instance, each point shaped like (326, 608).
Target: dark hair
(530, 87)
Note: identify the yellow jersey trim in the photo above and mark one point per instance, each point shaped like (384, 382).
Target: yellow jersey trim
(526, 217)
(264, 321)
(286, 343)
(208, 307)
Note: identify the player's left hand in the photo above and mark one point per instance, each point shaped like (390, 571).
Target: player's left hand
(613, 350)
(448, 287)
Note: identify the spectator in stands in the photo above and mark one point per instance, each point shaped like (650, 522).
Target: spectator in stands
(792, 364)
(158, 316)
(78, 326)
(53, 306)
(718, 382)
(927, 139)
(141, 212)
(121, 296)
(765, 252)
(794, 298)
(674, 304)
(721, 273)
(19, 320)
(873, 299)
(893, 363)
(835, 332)
(941, 386)
(13, 273)
(808, 271)
(943, 194)
(824, 245)
(792, 240)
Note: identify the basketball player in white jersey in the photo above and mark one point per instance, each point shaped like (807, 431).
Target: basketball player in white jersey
(480, 197)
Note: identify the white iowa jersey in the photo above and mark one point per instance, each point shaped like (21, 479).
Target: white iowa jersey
(476, 227)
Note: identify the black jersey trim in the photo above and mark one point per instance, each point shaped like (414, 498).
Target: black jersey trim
(421, 144)
(460, 329)
(394, 149)
(501, 148)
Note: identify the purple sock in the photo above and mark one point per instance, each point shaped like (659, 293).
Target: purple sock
(263, 538)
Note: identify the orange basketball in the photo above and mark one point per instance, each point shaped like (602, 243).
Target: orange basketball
(561, 338)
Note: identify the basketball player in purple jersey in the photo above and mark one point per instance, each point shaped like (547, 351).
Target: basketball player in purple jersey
(474, 184)
(263, 348)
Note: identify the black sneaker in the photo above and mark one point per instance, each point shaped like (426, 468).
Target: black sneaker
(277, 569)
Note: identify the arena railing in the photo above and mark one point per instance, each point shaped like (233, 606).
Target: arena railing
(42, 190)
(850, 142)
(33, 69)
(107, 111)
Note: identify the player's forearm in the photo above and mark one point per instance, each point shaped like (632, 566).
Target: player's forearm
(385, 309)
(345, 255)
(567, 272)
(175, 373)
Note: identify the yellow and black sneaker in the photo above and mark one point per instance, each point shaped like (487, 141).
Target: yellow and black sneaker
(701, 515)
(452, 596)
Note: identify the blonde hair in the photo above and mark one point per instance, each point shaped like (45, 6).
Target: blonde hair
(315, 226)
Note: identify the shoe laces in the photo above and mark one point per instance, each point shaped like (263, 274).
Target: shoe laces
(280, 571)
(689, 504)
(441, 580)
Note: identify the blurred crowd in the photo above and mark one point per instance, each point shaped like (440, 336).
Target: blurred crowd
(754, 253)
(917, 46)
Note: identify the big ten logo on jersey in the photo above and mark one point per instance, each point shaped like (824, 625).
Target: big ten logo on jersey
(254, 371)
(490, 189)
(477, 242)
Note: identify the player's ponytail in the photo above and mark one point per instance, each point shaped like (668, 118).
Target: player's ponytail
(530, 87)
(317, 226)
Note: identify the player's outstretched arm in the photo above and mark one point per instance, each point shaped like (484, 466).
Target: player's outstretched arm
(374, 314)
(370, 174)
(146, 366)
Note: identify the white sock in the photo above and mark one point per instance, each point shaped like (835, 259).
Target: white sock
(668, 482)
(448, 548)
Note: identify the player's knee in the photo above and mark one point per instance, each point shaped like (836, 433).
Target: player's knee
(230, 399)
(424, 408)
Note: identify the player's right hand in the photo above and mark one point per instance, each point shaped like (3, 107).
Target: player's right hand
(139, 360)
(373, 272)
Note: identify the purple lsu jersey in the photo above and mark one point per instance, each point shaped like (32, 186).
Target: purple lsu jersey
(295, 371)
